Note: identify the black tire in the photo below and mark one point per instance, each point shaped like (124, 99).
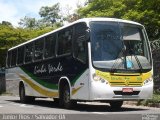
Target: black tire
(116, 104)
(65, 100)
(23, 97)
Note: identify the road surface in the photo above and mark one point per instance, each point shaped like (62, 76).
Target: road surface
(11, 108)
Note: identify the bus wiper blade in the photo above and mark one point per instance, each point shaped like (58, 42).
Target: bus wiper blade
(122, 52)
(137, 60)
(139, 64)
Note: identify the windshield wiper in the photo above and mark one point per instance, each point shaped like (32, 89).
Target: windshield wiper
(122, 52)
(137, 60)
(131, 52)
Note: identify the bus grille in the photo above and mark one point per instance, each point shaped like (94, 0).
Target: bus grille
(129, 93)
(126, 83)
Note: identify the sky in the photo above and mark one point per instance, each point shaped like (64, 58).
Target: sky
(13, 10)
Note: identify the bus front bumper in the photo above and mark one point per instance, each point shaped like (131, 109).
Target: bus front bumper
(106, 92)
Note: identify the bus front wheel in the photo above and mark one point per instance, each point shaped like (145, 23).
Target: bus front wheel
(116, 104)
(65, 100)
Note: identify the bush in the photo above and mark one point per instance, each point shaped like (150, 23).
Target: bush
(151, 102)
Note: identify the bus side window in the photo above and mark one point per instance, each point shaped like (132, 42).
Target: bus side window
(65, 41)
(20, 55)
(29, 52)
(80, 51)
(38, 54)
(50, 43)
(14, 57)
(9, 59)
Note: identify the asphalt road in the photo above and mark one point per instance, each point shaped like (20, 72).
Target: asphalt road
(11, 108)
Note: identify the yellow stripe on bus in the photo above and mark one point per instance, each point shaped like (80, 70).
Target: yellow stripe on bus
(74, 91)
(43, 91)
(39, 89)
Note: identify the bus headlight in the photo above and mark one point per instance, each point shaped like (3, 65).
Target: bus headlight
(148, 81)
(98, 78)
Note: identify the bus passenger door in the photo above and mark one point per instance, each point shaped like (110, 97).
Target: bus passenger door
(80, 55)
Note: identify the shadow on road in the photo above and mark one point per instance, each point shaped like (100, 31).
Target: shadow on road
(82, 107)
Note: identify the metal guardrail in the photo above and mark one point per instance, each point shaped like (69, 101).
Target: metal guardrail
(156, 75)
(155, 45)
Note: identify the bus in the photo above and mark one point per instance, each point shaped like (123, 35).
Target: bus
(91, 59)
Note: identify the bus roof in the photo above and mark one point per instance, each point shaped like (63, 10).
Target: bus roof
(86, 20)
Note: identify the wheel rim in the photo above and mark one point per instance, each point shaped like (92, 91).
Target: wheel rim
(66, 96)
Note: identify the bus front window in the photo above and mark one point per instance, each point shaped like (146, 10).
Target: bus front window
(106, 42)
(119, 46)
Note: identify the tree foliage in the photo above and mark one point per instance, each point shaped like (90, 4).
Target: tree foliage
(50, 14)
(142, 11)
(50, 17)
(28, 22)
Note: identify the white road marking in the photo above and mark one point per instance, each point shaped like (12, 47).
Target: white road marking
(98, 113)
(11, 103)
(1, 106)
(23, 105)
(28, 106)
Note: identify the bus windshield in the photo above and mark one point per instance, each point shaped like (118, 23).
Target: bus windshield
(120, 46)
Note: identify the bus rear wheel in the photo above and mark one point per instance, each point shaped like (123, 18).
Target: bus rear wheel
(23, 97)
(116, 104)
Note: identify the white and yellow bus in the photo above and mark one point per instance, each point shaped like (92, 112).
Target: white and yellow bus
(92, 59)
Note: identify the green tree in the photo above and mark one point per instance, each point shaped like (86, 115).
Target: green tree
(49, 18)
(28, 22)
(103, 8)
(6, 23)
(145, 12)
(50, 14)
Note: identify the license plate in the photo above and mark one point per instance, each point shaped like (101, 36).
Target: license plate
(127, 90)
